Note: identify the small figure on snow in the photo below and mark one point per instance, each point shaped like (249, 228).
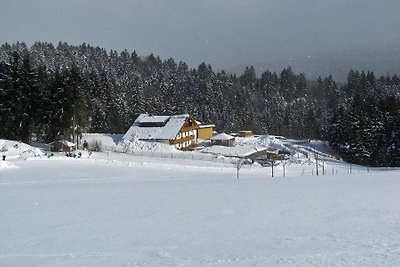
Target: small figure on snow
(85, 145)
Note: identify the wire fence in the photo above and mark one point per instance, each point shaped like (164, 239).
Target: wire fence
(190, 155)
(283, 169)
(290, 170)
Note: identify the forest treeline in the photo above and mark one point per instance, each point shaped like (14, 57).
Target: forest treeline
(48, 90)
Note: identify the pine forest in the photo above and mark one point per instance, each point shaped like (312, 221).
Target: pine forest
(47, 90)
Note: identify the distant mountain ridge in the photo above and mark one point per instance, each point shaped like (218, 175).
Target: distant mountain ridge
(381, 60)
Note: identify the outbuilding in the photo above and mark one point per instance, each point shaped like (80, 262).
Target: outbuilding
(62, 146)
(205, 132)
(223, 139)
(245, 133)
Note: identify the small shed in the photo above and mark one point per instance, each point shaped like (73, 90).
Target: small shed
(245, 133)
(223, 139)
(62, 146)
(205, 132)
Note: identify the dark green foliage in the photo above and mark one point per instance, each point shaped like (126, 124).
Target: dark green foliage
(365, 127)
(48, 90)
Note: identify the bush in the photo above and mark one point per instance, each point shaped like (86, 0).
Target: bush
(96, 146)
(4, 149)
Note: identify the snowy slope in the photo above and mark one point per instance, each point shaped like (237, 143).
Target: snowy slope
(18, 150)
(119, 210)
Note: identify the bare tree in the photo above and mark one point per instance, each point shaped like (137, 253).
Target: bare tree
(238, 165)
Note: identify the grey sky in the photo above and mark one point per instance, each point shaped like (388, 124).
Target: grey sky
(223, 33)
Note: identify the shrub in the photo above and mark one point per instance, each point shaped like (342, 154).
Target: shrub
(96, 146)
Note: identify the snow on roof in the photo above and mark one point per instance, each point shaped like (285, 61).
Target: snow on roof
(166, 132)
(223, 136)
(207, 126)
(67, 143)
(156, 119)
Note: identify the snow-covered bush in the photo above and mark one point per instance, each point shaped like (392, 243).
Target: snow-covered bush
(96, 146)
(4, 149)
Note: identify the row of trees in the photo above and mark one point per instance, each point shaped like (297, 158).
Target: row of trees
(365, 127)
(35, 101)
(49, 90)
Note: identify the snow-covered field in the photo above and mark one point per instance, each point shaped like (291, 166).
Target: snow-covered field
(113, 209)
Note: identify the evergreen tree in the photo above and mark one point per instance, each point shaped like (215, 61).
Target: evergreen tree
(65, 90)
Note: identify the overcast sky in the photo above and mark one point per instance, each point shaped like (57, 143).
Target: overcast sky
(223, 33)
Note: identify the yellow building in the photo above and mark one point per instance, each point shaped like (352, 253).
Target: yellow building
(245, 133)
(205, 132)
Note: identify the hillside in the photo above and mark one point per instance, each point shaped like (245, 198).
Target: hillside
(68, 90)
(114, 209)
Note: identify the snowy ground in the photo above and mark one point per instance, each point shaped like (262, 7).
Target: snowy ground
(114, 209)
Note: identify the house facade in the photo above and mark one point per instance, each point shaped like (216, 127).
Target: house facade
(178, 130)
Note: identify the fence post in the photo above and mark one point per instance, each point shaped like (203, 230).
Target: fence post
(272, 168)
(284, 168)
